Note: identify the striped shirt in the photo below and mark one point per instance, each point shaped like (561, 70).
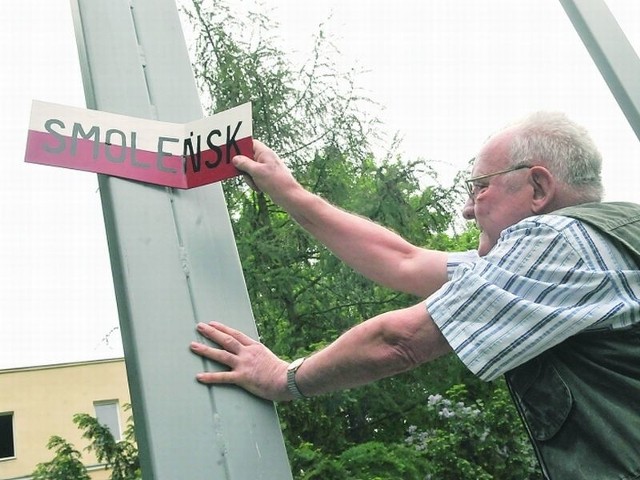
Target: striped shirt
(549, 277)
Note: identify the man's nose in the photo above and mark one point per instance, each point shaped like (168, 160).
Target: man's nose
(468, 212)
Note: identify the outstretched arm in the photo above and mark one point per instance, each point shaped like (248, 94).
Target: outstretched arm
(376, 252)
(385, 345)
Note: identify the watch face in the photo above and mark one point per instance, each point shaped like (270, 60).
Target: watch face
(295, 364)
(292, 386)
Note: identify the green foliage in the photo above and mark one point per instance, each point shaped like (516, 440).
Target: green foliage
(365, 461)
(119, 456)
(315, 117)
(459, 437)
(65, 465)
(471, 438)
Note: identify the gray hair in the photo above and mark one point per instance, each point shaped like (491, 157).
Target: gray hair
(552, 140)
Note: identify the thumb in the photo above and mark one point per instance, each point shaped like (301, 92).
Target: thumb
(245, 164)
(242, 163)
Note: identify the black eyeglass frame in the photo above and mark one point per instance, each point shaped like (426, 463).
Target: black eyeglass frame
(470, 183)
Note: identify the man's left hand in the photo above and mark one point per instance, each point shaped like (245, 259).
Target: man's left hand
(252, 366)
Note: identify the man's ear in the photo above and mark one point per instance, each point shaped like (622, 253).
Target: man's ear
(544, 189)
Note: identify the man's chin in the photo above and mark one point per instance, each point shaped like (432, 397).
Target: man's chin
(484, 245)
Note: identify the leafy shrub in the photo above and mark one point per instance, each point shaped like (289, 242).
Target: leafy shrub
(474, 439)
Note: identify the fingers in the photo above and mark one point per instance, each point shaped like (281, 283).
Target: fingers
(224, 335)
(230, 340)
(216, 377)
(216, 354)
(266, 172)
(258, 146)
(250, 364)
(260, 149)
(262, 155)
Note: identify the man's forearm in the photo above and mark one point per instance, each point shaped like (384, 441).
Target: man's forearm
(383, 346)
(374, 251)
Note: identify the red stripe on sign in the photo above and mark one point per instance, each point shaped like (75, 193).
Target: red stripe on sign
(159, 168)
(88, 155)
(215, 165)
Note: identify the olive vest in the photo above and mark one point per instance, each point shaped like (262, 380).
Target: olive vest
(580, 400)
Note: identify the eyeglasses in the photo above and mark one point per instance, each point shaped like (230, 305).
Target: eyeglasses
(473, 188)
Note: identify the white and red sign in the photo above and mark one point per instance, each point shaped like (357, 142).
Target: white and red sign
(169, 154)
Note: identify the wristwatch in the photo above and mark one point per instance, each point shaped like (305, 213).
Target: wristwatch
(292, 386)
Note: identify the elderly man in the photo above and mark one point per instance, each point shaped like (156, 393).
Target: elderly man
(550, 299)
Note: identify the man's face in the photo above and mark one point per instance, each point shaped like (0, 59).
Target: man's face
(501, 200)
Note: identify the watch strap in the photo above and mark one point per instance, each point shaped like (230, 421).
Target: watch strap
(292, 386)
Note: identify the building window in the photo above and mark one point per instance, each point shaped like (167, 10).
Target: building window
(7, 447)
(108, 414)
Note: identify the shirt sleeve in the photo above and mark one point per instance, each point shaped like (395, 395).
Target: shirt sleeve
(531, 292)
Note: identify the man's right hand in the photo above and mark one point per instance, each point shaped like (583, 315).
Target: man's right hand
(266, 172)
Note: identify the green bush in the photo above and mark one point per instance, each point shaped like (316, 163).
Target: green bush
(474, 439)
